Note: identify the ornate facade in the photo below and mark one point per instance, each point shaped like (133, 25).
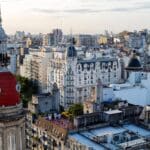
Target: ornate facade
(77, 77)
(12, 121)
(12, 127)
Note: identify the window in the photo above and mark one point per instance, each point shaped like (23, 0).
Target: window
(0, 142)
(11, 141)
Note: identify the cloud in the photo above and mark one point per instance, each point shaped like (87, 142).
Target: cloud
(90, 10)
(10, 0)
(48, 11)
(71, 11)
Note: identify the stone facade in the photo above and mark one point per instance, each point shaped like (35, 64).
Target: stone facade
(12, 128)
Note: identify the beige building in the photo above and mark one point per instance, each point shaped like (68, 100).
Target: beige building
(103, 40)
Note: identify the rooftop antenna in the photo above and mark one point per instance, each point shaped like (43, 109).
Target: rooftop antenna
(3, 53)
(2, 50)
(71, 36)
(71, 31)
(0, 15)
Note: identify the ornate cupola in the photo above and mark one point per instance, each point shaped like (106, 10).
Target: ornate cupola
(71, 51)
(134, 64)
(9, 89)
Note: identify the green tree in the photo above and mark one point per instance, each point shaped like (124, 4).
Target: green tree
(28, 88)
(76, 109)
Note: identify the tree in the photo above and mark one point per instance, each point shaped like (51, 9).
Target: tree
(76, 109)
(28, 88)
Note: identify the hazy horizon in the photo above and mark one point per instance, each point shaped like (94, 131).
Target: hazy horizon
(80, 16)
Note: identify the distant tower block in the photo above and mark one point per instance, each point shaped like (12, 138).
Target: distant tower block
(99, 92)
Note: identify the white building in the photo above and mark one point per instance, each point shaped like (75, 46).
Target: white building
(13, 63)
(77, 77)
(35, 67)
(108, 94)
(137, 88)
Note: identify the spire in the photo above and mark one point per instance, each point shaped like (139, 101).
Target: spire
(0, 17)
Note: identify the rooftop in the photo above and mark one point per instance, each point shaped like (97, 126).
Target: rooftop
(111, 137)
(63, 123)
(132, 143)
(85, 141)
(135, 95)
(137, 129)
(110, 112)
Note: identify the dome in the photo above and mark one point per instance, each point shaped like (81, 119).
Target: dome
(71, 51)
(9, 90)
(134, 64)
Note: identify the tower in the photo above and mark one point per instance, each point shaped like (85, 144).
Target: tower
(3, 45)
(70, 76)
(12, 121)
(12, 117)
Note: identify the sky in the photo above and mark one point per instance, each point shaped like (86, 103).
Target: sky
(78, 16)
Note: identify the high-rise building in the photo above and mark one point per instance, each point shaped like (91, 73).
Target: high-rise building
(58, 34)
(48, 39)
(35, 67)
(54, 38)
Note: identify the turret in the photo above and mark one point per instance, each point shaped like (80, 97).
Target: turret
(4, 59)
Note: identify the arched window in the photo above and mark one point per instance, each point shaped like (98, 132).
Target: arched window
(11, 141)
(1, 146)
(20, 138)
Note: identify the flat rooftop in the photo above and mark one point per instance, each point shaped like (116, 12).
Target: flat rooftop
(111, 112)
(135, 95)
(104, 131)
(132, 143)
(87, 137)
(85, 141)
(140, 131)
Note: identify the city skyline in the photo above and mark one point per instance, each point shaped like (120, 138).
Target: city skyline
(82, 16)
